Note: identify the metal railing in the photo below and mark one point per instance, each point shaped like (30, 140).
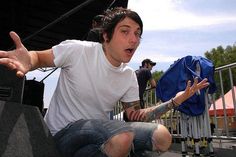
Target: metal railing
(225, 125)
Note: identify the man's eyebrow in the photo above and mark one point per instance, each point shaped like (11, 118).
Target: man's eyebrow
(128, 26)
(125, 26)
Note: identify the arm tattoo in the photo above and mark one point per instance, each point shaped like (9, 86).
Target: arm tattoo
(134, 104)
(159, 110)
(135, 115)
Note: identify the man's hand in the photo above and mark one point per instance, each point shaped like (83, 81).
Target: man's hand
(190, 90)
(134, 113)
(18, 59)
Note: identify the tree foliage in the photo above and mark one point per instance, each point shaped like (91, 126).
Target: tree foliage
(156, 76)
(222, 56)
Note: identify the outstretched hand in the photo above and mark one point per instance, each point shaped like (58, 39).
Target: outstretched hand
(190, 90)
(18, 59)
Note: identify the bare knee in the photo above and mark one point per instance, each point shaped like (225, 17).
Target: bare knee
(123, 139)
(161, 139)
(119, 145)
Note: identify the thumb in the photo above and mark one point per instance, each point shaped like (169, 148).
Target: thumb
(20, 74)
(16, 39)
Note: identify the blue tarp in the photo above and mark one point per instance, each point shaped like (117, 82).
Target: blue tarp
(175, 80)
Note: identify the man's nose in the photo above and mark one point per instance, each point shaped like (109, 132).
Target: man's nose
(134, 38)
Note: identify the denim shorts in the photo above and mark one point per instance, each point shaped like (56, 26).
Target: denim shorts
(85, 138)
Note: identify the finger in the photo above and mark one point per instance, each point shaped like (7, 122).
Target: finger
(20, 74)
(195, 81)
(203, 83)
(6, 61)
(4, 54)
(204, 80)
(16, 39)
(195, 87)
(188, 85)
(11, 66)
(190, 89)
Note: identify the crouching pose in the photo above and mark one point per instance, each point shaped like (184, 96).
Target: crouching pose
(93, 78)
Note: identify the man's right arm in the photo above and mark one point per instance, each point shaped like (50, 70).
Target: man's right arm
(21, 60)
(152, 83)
(41, 59)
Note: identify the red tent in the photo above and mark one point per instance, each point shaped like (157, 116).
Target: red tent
(229, 104)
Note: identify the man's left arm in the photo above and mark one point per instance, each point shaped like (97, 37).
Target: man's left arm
(135, 113)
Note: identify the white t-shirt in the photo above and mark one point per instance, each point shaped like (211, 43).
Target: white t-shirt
(88, 86)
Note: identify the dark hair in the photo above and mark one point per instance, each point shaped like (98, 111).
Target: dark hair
(148, 61)
(114, 16)
(98, 19)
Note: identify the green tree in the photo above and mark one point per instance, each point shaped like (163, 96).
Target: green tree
(220, 57)
(156, 75)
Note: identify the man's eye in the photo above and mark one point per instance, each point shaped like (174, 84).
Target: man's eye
(124, 31)
(138, 34)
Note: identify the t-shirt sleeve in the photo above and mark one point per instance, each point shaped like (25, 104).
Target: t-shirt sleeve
(65, 52)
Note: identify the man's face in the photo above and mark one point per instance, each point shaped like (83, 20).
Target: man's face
(149, 66)
(124, 42)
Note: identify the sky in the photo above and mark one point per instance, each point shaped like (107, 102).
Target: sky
(172, 30)
(176, 28)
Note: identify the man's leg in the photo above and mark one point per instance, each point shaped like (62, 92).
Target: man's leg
(119, 145)
(92, 138)
(150, 137)
(161, 139)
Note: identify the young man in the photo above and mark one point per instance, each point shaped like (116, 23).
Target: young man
(144, 76)
(93, 78)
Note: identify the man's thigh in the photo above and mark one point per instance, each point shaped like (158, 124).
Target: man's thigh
(88, 134)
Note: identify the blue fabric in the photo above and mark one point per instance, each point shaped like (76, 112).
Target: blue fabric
(175, 80)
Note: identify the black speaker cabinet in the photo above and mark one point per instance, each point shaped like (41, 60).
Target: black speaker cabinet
(23, 132)
(33, 94)
(11, 86)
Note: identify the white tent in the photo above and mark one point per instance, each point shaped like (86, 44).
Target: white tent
(229, 104)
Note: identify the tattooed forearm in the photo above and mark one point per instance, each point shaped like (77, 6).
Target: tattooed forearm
(129, 109)
(134, 104)
(147, 114)
(159, 110)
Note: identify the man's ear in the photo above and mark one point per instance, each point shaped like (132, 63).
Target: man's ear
(105, 37)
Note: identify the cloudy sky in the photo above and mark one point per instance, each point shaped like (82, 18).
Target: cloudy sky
(176, 28)
(173, 29)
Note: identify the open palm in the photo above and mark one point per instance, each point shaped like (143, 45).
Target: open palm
(18, 59)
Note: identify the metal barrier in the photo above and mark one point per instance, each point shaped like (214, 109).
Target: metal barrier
(223, 127)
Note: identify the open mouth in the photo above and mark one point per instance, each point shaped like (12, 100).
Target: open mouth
(129, 50)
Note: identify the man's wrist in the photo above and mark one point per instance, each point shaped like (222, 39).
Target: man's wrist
(176, 104)
(172, 104)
